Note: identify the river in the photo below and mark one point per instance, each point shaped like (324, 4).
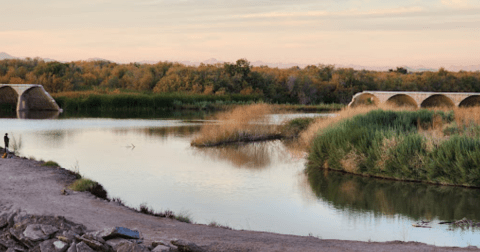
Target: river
(258, 186)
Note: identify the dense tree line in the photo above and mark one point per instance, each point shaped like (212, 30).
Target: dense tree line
(309, 85)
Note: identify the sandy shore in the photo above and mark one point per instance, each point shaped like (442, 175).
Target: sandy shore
(36, 189)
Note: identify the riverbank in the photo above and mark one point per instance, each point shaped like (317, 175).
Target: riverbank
(37, 190)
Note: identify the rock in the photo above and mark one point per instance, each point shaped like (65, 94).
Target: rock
(64, 239)
(161, 248)
(18, 235)
(73, 247)
(49, 230)
(121, 232)
(3, 246)
(160, 242)
(34, 232)
(60, 246)
(131, 247)
(82, 247)
(116, 242)
(96, 245)
(10, 218)
(93, 236)
(69, 234)
(53, 246)
(3, 222)
(185, 246)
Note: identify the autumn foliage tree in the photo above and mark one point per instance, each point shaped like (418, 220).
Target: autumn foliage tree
(312, 84)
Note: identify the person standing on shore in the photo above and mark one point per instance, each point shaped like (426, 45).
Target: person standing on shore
(6, 140)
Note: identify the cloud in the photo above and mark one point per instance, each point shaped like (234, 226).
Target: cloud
(460, 4)
(347, 13)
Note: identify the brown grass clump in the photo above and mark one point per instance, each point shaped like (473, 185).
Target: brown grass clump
(467, 116)
(387, 145)
(351, 160)
(243, 123)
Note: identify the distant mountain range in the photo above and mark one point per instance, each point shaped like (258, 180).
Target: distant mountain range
(4, 55)
(213, 61)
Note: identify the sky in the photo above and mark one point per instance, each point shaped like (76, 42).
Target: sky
(432, 33)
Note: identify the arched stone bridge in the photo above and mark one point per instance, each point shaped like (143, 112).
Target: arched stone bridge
(416, 99)
(27, 97)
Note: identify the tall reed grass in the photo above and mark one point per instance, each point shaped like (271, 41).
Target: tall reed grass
(89, 101)
(243, 123)
(406, 145)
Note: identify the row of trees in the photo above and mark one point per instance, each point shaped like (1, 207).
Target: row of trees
(309, 85)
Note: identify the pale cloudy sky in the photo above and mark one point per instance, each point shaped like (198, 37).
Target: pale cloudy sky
(433, 33)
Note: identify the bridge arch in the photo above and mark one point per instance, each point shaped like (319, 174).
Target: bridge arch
(365, 99)
(437, 100)
(35, 98)
(402, 100)
(8, 98)
(470, 101)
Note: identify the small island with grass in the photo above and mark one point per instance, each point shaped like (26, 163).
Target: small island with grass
(249, 123)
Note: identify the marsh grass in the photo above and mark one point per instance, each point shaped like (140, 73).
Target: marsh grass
(51, 163)
(145, 209)
(294, 127)
(216, 224)
(15, 145)
(114, 101)
(243, 123)
(405, 145)
(85, 184)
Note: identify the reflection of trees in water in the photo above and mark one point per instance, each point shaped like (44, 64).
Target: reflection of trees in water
(181, 131)
(388, 197)
(253, 155)
(137, 114)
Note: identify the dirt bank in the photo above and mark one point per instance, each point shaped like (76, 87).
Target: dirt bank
(26, 185)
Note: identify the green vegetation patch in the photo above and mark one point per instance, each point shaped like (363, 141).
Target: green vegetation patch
(51, 163)
(292, 128)
(115, 102)
(402, 145)
(85, 184)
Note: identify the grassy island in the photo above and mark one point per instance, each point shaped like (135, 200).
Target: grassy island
(248, 124)
(433, 146)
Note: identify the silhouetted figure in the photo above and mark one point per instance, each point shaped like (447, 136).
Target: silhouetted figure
(6, 140)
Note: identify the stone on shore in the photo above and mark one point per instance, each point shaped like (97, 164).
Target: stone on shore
(132, 247)
(187, 246)
(118, 232)
(82, 247)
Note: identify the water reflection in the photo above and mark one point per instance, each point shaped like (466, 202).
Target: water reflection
(257, 155)
(138, 114)
(34, 114)
(387, 197)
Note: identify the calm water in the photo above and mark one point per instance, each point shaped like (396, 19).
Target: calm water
(257, 186)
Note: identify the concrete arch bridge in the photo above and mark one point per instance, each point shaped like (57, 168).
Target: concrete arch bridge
(416, 99)
(24, 97)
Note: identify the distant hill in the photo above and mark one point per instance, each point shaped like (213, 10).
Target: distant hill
(4, 55)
